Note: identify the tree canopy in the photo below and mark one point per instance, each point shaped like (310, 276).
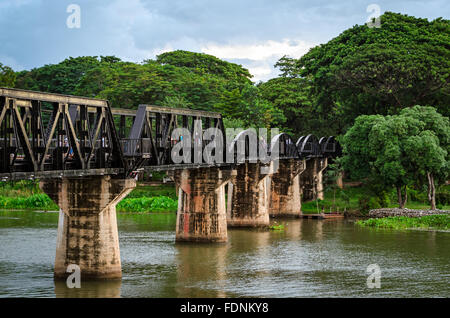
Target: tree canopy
(173, 79)
(363, 71)
(7, 76)
(399, 150)
(372, 71)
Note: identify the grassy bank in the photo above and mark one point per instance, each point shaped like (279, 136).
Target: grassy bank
(148, 204)
(26, 195)
(144, 198)
(428, 222)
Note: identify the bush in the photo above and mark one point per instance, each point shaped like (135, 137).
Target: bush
(148, 204)
(35, 201)
(443, 198)
(384, 199)
(366, 204)
(418, 195)
(404, 222)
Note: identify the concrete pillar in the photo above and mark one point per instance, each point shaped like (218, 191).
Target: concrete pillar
(285, 199)
(250, 197)
(201, 215)
(87, 228)
(311, 180)
(307, 181)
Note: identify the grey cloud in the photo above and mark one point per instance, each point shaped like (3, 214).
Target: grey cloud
(34, 32)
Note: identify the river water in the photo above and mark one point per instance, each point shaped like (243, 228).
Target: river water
(310, 258)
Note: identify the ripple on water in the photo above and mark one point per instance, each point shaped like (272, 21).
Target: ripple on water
(309, 259)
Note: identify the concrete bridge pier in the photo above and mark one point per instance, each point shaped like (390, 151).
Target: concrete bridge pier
(311, 180)
(201, 215)
(250, 193)
(285, 199)
(87, 228)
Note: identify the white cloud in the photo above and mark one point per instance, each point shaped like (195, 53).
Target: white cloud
(259, 51)
(261, 56)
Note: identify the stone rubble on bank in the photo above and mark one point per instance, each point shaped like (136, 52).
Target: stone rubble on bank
(381, 213)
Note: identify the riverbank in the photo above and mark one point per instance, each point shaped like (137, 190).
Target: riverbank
(360, 200)
(381, 213)
(26, 195)
(151, 197)
(439, 222)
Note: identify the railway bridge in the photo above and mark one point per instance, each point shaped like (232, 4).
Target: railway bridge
(86, 155)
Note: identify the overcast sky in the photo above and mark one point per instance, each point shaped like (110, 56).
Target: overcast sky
(253, 33)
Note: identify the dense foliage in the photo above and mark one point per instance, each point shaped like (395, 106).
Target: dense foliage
(173, 79)
(366, 70)
(7, 76)
(362, 84)
(399, 150)
(148, 204)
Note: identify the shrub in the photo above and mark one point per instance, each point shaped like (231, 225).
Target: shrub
(404, 222)
(368, 203)
(148, 204)
(442, 198)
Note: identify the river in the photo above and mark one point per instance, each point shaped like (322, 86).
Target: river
(310, 258)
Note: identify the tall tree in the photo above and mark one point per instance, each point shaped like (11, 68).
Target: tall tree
(429, 151)
(380, 70)
(398, 150)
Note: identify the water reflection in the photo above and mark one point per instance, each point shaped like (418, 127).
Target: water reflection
(89, 289)
(312, 258)
(198, 264)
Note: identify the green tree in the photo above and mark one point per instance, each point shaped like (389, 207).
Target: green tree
(206, 64)
(379, 70)
(373, 150)
(397, 150)
(7, 76)
(429, 150)
(61, 78)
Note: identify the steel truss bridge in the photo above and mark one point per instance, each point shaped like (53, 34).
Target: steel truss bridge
(44, 135)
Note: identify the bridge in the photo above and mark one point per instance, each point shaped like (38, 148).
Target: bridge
(87, 166)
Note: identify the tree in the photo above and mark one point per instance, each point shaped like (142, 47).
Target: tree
(429, 151)
(7, 76)
(397, 150)
(382, 70)
(61, 78)
(206, 64)
(373, 149)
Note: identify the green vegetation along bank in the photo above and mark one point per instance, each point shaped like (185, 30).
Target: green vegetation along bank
(361, 199)
(428, 222)
(26, 195)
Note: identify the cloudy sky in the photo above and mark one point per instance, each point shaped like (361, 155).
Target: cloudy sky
(254, 33)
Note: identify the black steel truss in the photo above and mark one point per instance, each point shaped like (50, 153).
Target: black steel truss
(43, 133)
(71, 133)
